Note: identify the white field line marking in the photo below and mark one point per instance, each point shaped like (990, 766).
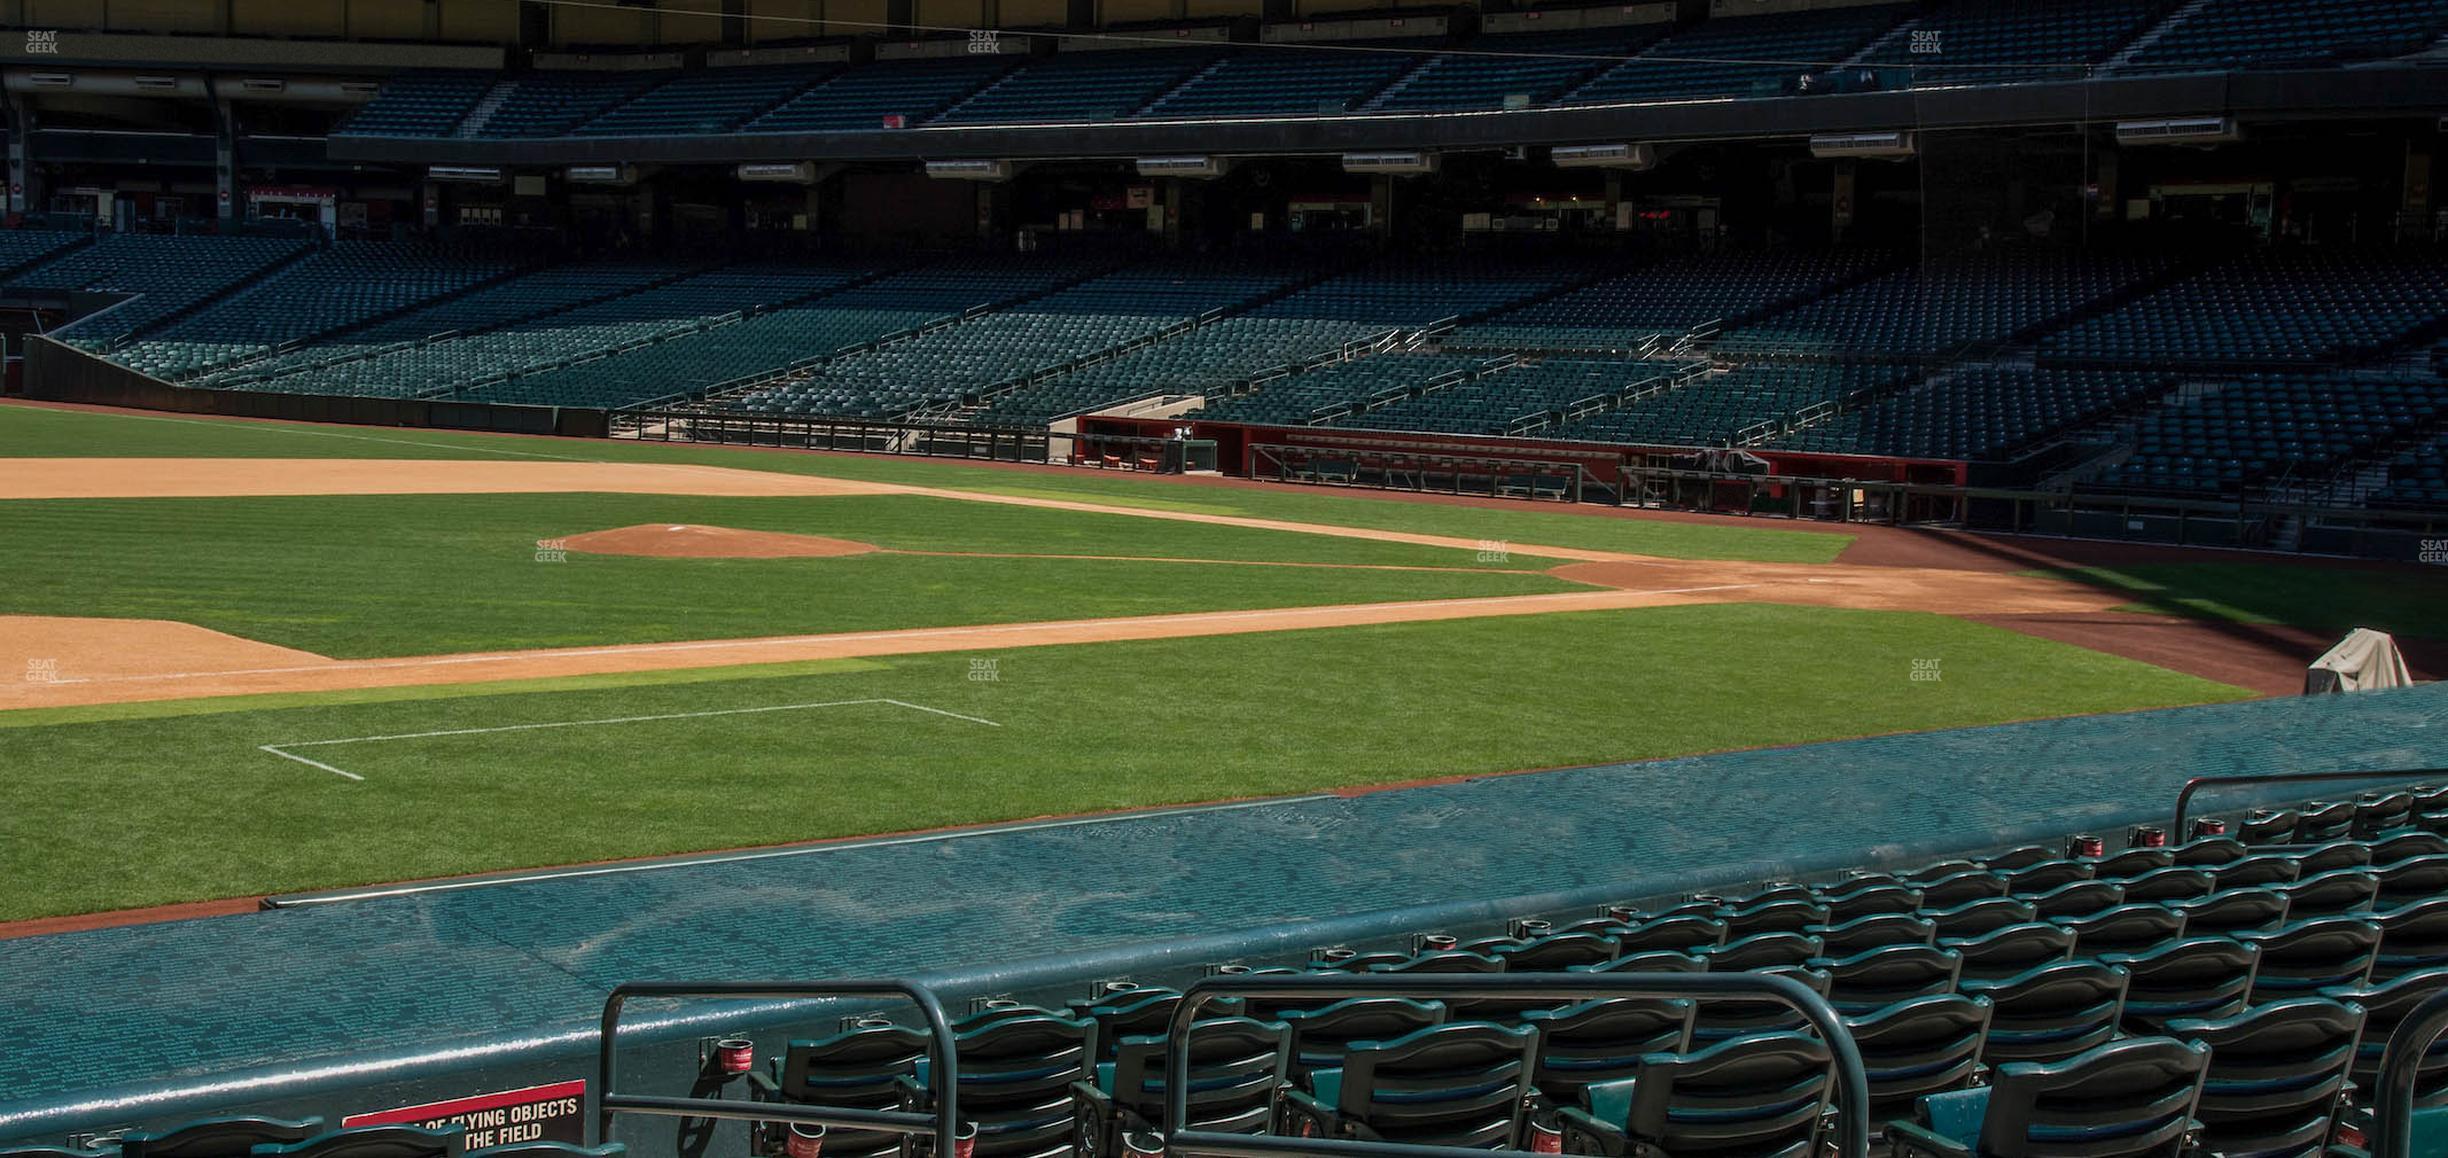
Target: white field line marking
(281, 751)
(887, 636)
(679, 862)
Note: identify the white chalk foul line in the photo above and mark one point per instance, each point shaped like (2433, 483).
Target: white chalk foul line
(281, 749)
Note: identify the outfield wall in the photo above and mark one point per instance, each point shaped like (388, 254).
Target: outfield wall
(57, 372)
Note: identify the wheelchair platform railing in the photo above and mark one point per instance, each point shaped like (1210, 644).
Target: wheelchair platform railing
(944, 1075)
(2392, 1125)
(1852, 1102)
(2198, 784)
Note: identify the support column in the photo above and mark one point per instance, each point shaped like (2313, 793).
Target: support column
(1840, 207)
(1381, 206)
(20, 164)
(2414, 201)
(225, 163)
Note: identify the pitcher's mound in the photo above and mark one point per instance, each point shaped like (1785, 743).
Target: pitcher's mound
(691, 541)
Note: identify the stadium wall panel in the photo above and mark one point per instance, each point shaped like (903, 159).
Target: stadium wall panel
(57, 372)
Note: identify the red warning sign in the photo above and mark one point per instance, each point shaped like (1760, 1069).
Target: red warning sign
(553, 1113)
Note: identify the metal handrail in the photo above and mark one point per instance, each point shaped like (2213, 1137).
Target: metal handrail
(944, 1074)
(1852, 1077)
(2184, 796)
(2392, 1124)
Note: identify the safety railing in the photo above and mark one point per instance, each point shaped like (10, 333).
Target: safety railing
(943, 1076)
(2196, 785)
(2401, 1062)
(1852, 1077)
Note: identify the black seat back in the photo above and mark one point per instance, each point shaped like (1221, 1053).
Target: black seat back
(1601, 1041)
(1464, 1083)
(216, 1137)
(2011, 951)
(2277, 1076)
(1321, 1036)
(2138, 1095)
(1236, 1066)
(1915, 1048)
(2201, 978)
(861, 1068)
(1756, 1095)
(2053, 1012)
(1865, 982)
(371, 1142)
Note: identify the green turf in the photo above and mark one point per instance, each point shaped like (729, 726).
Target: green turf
(141, 811)
(390, 575)
(2401, 601)
(35, 431)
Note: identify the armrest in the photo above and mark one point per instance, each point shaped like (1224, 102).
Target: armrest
(1586, 1134)
(763, 1088)
(1910, 1138)
(1306, 1117)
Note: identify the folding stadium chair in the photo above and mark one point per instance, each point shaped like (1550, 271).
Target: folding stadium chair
(1981, 916)
(1871, 900)
(2331, 894)
(2413, 937)
(1872, 980)
(864, 1067)
(1322, 1036)
(1760, 1096)
(2124, 929)
(1138, 1012)
(2176, 883)
(2234, 911)
(1762, 951)
(1600, 1041)
(2051, 1013)
(2330, 857)
(1557, 952)
(1018, 1070)
(1461, 1084)
(216, 1137)
(2075, 899)
(1677, 933)
(2304, 956)
(1721, 1019)
(1239, 1068)
(1871, 932)
(1656, 961)
(2202, 978)
(2411, 879)
(1959, 889)
(2384, 1005)
(2207, 852)
(2278, 1076)
(371, 1142)
(2132, 1098)
(2010, 951)
(1927, 1045)
(2267, 869)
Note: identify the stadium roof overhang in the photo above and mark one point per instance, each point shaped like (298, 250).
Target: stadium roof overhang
(2322, 94)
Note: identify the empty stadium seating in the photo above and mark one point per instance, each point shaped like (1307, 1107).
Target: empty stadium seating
(2298, 307)
(2264, 429)
(1667, 299)
(1986, 413)
(1288, 81)
(346, 284)
(862, 98)
(1079, 86)
(1508, 398)
(1973, 42)
(712, 101)
(428, 103)
(2418, 477)
(1524, 69)
(1713, 409)
(1942, 306)
(1337, 388)
(2228, 33)
(2132, 1019)
(165, 274)
(549, 103)
(1742, 56)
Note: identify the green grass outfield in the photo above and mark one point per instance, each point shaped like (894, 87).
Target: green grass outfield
(361, 576)
(42, 432)
(139, 804)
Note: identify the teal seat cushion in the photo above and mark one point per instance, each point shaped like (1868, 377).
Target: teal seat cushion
(1957, 1115)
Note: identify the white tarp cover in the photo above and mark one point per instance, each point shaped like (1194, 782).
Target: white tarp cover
(2364, 660)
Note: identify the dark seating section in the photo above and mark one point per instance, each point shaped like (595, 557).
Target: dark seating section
(1742, 56)
(2418, 477)
(1667, 299)
(1978, 42)
(715, 100)
(341, 286)
(1522, 396)
(2230, 436)
(1524, 68)
(20, 248)
(1983, 413)
(164, 274)
(1943, 305)
(1080, 86)
(2229, 33)
(1714, 409)
(861, 98)
(552, 103)
(428, 103)
(1291, 80)
(2286, 307)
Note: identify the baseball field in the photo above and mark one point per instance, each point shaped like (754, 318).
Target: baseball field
(245, 658)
